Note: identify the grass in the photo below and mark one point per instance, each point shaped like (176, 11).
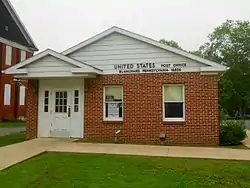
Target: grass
(12, 139)
(109, 171)
(12, 124)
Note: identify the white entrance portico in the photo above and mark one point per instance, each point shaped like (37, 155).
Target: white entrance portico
(60, 93)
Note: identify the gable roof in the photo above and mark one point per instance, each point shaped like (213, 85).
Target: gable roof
(20, 25)
(55, 54)
(143, 39)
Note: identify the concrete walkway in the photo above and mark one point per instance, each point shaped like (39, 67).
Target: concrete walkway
(13, 154)
(11, 130)
(246, 142)
(160, 151)
(16, 153)
(247, 124)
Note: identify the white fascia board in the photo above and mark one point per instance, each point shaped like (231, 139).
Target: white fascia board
(85, 70)
(15, 45)
(15, 71)
(213, 69)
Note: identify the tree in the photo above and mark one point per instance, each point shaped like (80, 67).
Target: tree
(171, 43)
(229, 44)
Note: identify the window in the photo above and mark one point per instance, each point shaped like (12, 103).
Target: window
(113, 103)
(46, 101)
(22, 95)
(8, 58)
(61, 102)
(76, 101)
(7, 94)
(23, 55)
(173, 99)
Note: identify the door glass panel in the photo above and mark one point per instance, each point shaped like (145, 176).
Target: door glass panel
(61, 102)
(76, 108)
(46, 101)
(76, 101)
(76, 93)
(57, 101)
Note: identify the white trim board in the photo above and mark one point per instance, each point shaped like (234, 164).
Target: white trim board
(20, 24)
(15, 45)
(143, 39)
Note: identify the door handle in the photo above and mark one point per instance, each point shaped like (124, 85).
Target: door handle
(69, 111)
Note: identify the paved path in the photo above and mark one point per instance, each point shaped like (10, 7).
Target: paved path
(10, 130)
(160, 151)
(246, 142)
(16, 153)
(247, 124)
(13, 154)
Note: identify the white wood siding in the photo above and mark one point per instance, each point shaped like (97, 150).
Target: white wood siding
(49, 67)
(120, 49)
(49, 62)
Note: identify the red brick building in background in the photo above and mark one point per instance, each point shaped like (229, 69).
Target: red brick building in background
(16, 45)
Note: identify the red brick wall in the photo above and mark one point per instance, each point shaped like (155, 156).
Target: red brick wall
(143, 115)
(14, 110)
(22, 110)
(7, 111)
(32, 110)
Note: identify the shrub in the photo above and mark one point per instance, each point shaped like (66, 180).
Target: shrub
(232, 132)
(222, 115)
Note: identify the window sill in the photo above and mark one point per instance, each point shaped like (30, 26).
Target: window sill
(173, 121)
(113, 121)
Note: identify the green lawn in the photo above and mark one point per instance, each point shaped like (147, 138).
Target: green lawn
(12, 139)
(55, 170)
(12, 124)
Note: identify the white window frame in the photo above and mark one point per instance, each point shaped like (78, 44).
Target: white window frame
(22, 93)
(8, 55)
(163, 104)
(104, 104)
(7, 95)
(23, 55)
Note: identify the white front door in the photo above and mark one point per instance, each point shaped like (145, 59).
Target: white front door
(61, 113)
(61, 108)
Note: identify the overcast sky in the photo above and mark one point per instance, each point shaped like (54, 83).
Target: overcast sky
(59, 24)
